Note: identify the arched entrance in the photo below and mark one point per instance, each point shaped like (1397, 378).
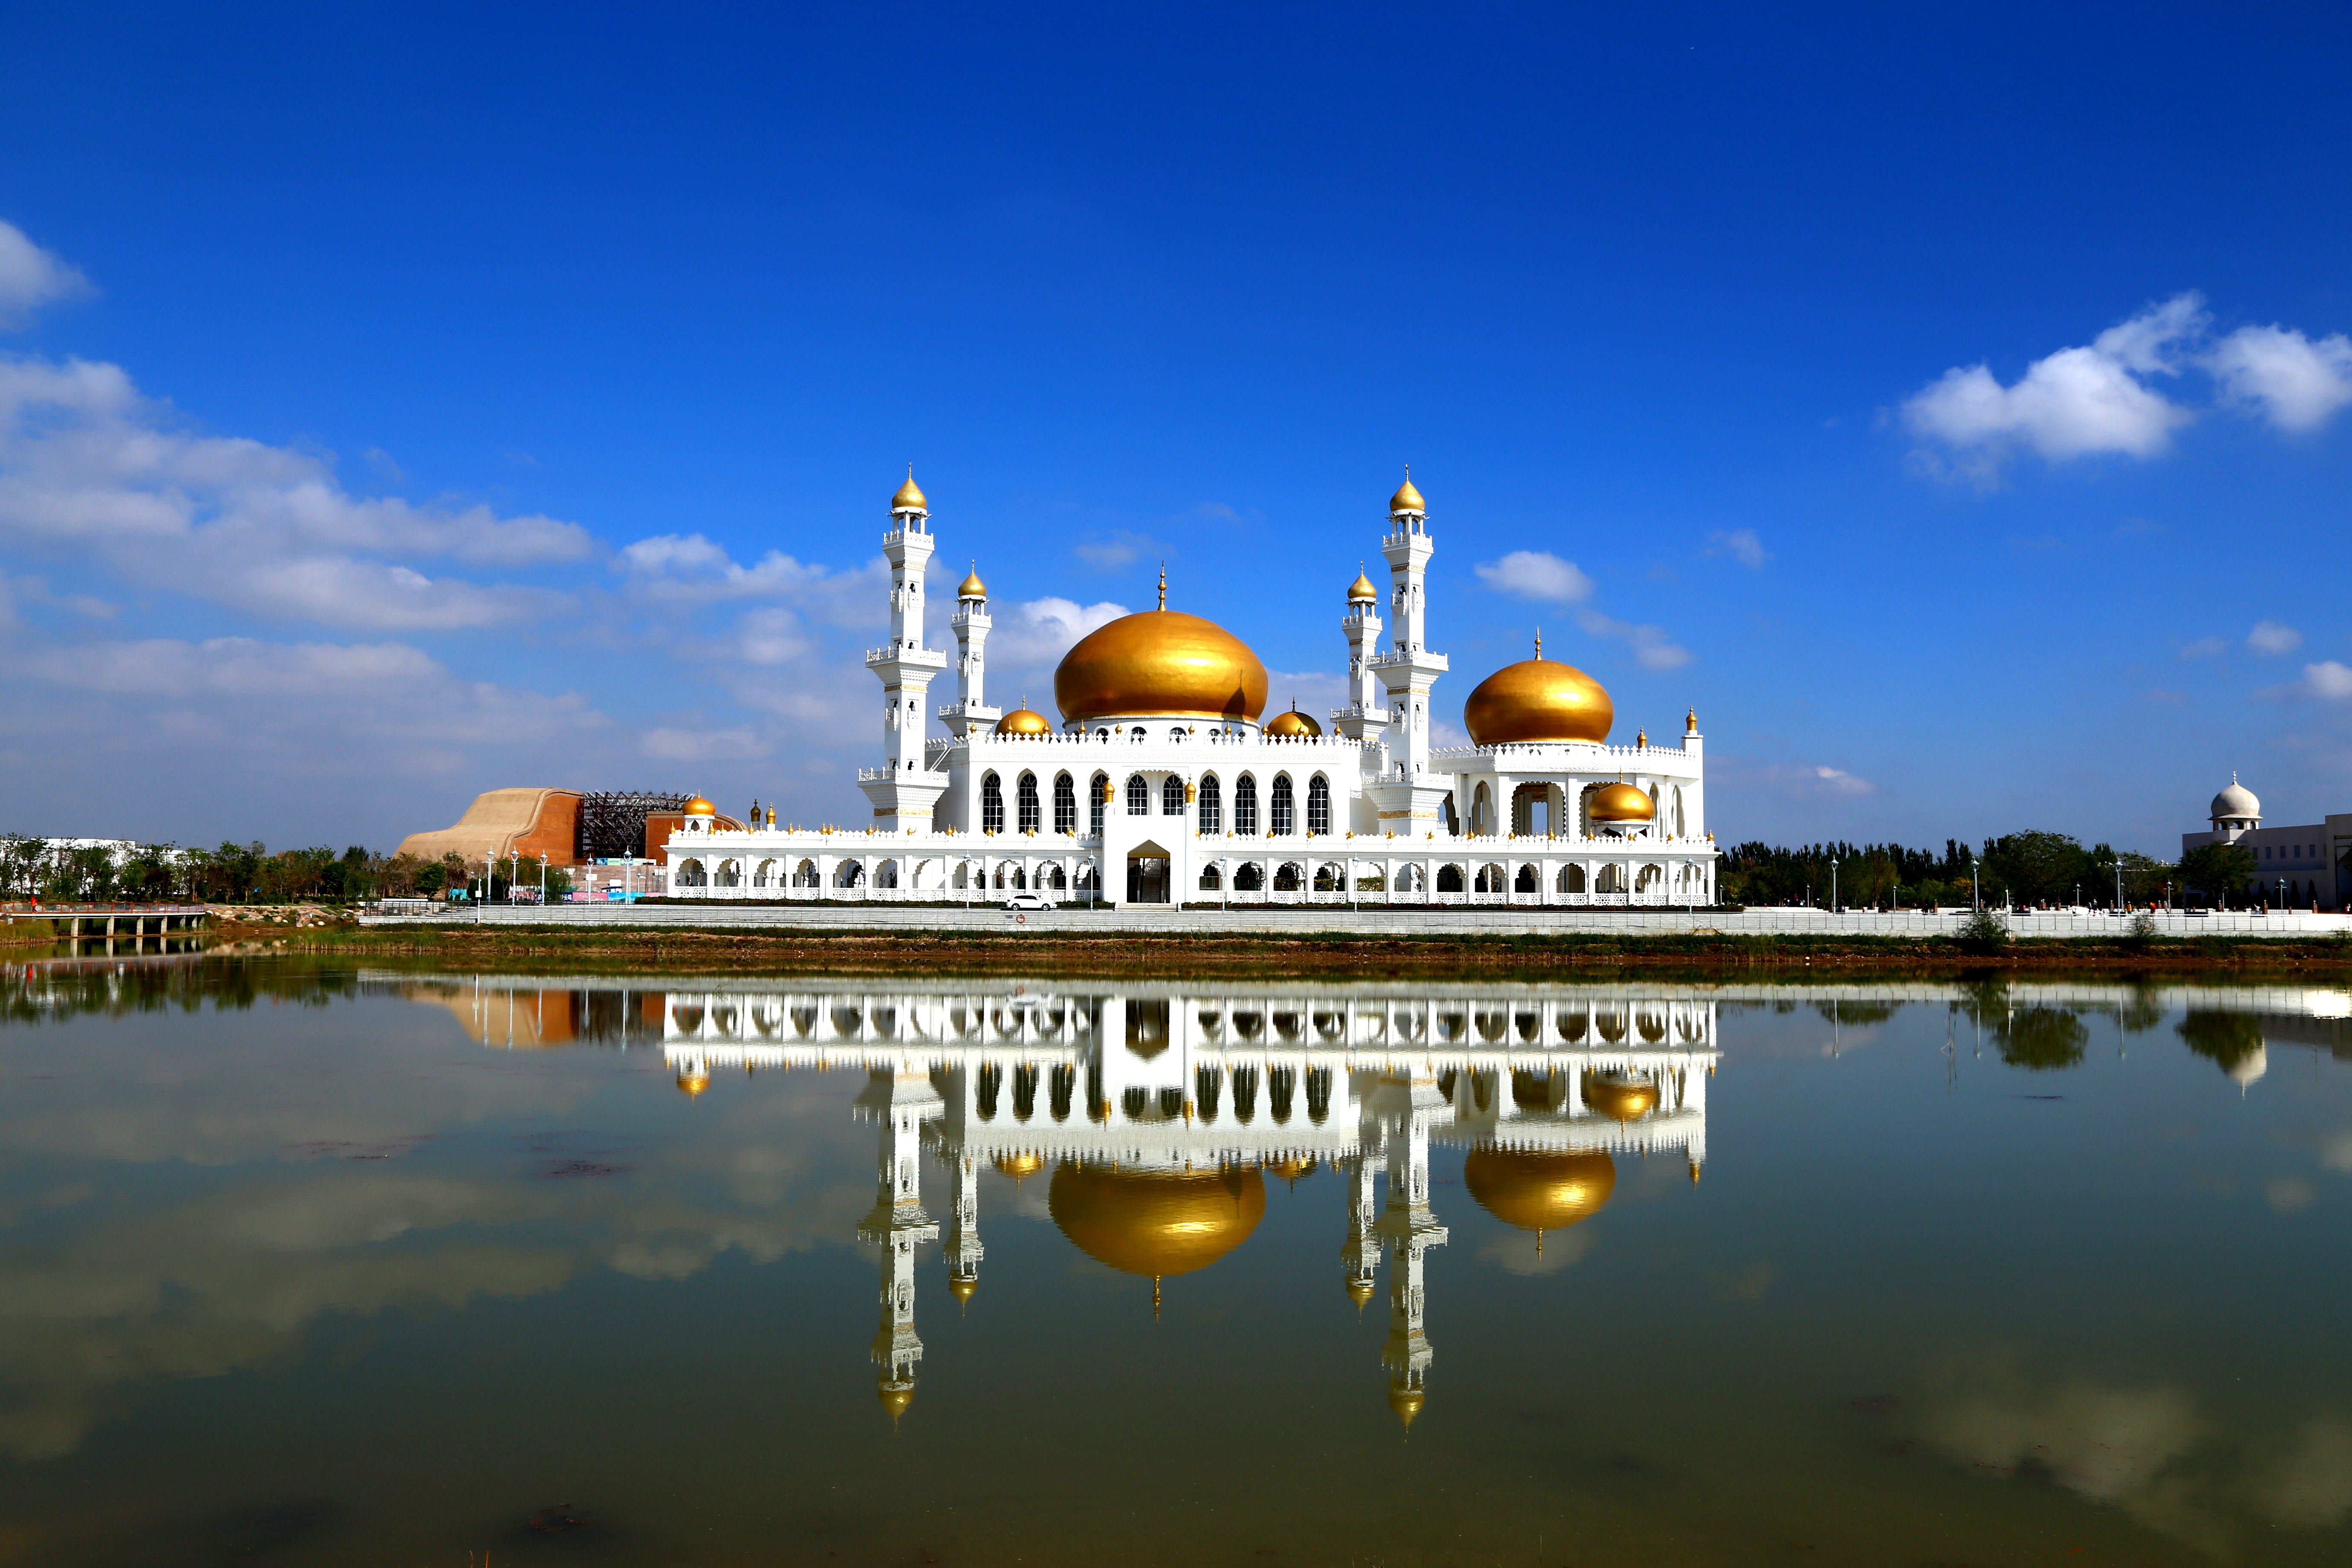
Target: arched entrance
(1147, 874)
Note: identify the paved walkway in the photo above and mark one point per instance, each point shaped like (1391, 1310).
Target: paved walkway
(1297, 921)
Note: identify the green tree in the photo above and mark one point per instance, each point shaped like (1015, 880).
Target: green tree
(2039, 868)
(2041, 1039)
(2218, 870)
(2225, 1039)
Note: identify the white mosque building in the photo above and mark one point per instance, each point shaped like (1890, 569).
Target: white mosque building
(1165, 782)
(2297, 865)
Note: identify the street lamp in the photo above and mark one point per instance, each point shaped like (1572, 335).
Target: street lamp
(1976, 883)
(542, 881)
(1833, 903)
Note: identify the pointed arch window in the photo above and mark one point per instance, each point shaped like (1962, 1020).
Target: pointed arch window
(1027, 800)
(1282, 810)
(1172, 796)
(1212, 805)
(1065, 804)
(1097, 795)
(992, 805)
(1246, 806)
(1138, 796)
(1319, 804)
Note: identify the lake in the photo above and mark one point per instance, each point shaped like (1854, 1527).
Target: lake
(307, 1263)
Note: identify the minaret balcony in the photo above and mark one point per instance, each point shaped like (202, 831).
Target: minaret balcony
(907, 654)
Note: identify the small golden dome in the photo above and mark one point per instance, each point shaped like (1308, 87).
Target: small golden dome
(1155, 1223)
(1018, 1167)
(698, 807)
(972, 587)
(1362, 592)
(1292, 724)
(1292, 1169)
(1619, 1098)
(1361, 1292)
(1407, 499)
(910, 495)
(1025, 721)
(1160, 662)
(963, 1286)
(1539, 1192)
(1406, 1403)
(694, 1083)
(1538, 699)
(1620, 802)
(896, 1400)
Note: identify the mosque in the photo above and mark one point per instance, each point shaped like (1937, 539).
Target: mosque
(1165, 782)
(1155, 1118)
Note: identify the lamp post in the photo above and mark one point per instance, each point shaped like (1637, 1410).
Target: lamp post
(542, 881)
(1833, 901)
(2281, 895)
(1975, 884)
(2119, 885)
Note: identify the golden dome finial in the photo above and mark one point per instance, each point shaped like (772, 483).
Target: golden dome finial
(972, 587)
(1407, 499)
(1641, 737)
(1690, 722)
(1155, 1298)
(963, 1286)
(1361, 591)
(1540, 642)
(1163, 584)
(910, 495)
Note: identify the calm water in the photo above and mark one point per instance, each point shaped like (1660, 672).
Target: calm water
(302, 1266)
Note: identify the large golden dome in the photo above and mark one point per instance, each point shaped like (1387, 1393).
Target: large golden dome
(1160, 661)
(1155, 1223)
(1620, 801)
(1539, 1192)
(1538, 699)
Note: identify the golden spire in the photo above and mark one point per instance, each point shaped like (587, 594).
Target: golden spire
(1690, 724)
(1361, 591)
(1163, 584)
(1407, 499)
(1155, 1298)
(1540, 642)
(972, 587)
(910, 495)
(1641, 738)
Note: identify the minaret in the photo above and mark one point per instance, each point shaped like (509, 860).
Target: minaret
(905, 791)
(1410, 670)
(901, 1101)
(1362, 1251)
(962, 1250)
(1367, 712)
(971, 712)
(1410, 1229)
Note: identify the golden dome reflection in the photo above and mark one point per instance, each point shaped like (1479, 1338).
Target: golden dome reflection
(1018, 1167)
(1538, 699)
(1618, 1097)
(1155, 1223)
(1620, 801)
(896, 1400)
(1539, 1192)
(1160, 662)
(963, 1286)
(693, 1083)
(1361, 1292)
(1406, 1403)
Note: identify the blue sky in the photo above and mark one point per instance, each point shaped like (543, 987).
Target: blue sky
(402, 402)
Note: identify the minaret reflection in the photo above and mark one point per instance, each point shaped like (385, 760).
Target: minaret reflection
(901, 1101)
(1156, 1118)
(1405, 1104)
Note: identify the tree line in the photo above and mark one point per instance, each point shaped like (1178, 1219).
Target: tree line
(239, 874)
(2026, 870)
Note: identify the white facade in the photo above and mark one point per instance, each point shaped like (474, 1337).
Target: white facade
(1160, 809)
(2302, 867)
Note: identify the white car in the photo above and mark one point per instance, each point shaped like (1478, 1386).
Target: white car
(1028, 901)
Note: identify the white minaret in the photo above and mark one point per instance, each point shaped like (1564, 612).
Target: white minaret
(1367, 712)
(902, 1101)
(971, 712)
(1362, 1251)
(1410, 670)
(904, 791)
(963, 1249)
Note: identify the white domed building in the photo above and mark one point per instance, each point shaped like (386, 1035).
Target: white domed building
(2296, 867)
(1163, 780)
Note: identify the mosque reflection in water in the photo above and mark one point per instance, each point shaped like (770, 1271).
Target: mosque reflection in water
(1161, 1115)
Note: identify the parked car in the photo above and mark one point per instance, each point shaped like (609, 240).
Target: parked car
(1028, 901)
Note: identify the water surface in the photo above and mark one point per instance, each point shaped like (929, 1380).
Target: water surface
(305, 1265)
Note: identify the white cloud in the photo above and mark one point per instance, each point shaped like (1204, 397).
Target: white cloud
(1652, 648)
(1111, 551)
(2327, 679)
(2271, 637)
(1040, 631)
(2295, 381)
(1535, 574)
(685, 570)
(1839, 781)
(2074, 403)
(677, 745)
(93, 472)
(1741, 545)
(31, 277)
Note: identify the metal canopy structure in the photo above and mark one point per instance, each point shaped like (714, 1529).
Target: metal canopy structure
(613, 822)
